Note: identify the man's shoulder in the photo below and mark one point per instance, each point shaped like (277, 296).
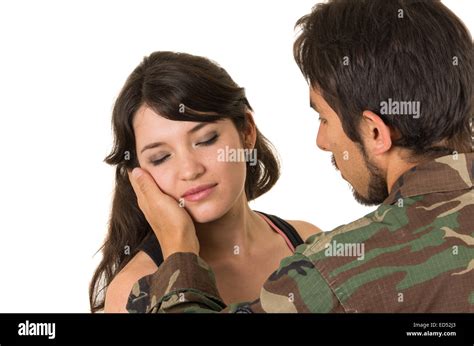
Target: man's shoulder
(398, 253)
(385, 216)
(392, 222)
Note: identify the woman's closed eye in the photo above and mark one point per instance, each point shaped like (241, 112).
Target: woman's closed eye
(210, 141)
(160, 160)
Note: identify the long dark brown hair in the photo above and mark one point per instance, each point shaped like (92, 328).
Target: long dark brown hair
(180, 87)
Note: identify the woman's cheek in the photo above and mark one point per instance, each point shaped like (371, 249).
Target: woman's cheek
(164, 182)
(234, 175)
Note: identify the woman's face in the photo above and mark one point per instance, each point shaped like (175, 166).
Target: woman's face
(183, 156)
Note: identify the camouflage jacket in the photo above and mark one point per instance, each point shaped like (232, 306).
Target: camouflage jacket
(414, 253)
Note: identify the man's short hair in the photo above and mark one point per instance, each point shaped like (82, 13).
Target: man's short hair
(368, 54)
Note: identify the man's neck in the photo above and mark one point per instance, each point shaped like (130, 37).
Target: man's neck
(397, 166)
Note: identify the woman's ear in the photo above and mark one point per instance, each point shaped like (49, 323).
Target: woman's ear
(250, 131)
(376, 134)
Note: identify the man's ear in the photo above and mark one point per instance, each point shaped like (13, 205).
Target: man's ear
(375, 133)
(250, 131)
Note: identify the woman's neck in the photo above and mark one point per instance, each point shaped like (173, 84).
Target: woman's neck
(236, 233)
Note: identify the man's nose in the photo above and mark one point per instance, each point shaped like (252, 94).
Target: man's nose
(321, 140)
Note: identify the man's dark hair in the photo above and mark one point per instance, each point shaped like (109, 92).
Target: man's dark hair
(360, 53)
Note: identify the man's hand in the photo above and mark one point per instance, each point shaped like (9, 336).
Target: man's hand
(172, 225)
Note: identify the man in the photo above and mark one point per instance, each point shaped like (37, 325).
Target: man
(393, 84)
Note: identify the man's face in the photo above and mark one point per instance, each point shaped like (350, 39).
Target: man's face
(369, 184)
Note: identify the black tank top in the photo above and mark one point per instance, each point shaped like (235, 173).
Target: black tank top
(152, 248)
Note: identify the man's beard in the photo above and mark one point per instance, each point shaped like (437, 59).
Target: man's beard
(333, 161)
(377, 190)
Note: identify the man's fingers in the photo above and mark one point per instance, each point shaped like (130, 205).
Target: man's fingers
(172, 225)
(143, 184)
(132, 178)
(141, 180)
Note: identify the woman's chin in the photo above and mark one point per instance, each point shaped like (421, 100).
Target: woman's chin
(204, 213)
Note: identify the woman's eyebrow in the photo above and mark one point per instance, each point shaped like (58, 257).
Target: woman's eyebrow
(198, 127)
(157, 144)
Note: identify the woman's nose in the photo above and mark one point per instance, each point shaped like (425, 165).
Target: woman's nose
(190, 168)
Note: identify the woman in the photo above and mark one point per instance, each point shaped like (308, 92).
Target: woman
(186, 122)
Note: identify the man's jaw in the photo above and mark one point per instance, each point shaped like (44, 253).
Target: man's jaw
(334, 163)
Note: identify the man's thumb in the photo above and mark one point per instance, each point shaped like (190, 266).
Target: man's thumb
(140, 180)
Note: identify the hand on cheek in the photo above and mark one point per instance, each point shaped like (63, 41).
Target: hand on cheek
(171, 223)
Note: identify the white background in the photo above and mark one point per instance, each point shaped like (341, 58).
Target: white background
(62, 64)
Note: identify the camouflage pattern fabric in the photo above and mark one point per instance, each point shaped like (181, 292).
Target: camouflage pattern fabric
(414, 253)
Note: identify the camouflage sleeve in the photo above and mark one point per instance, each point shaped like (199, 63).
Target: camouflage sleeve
(185, 283)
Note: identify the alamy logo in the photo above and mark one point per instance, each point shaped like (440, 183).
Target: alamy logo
(345, 250)
(32, 328)
(237, 155)
(391, 107)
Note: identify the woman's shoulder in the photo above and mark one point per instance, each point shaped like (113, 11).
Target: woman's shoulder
(304, 229)
(119, 289)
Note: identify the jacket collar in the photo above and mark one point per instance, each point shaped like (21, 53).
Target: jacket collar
(446, 173)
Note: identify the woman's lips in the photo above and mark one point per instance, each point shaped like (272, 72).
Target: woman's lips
(200, 193)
